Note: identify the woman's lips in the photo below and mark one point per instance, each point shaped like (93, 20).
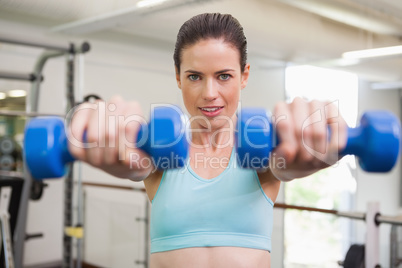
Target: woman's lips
(211, 110)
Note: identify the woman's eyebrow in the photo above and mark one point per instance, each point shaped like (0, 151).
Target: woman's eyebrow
(218, 72)
(224, 71)
(193, 72)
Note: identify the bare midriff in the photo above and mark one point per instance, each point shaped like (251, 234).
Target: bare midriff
(212, 257)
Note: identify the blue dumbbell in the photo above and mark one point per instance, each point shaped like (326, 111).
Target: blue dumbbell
(375, 142)
(163, 138)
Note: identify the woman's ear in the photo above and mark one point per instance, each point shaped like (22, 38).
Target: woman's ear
(245, 75)
(177, 77)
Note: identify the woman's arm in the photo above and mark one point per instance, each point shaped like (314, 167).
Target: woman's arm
(305, 143)
(111, 130)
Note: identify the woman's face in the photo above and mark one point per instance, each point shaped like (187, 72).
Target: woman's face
(211, 79)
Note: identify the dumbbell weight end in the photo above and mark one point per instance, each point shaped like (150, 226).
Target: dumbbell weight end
(40, 147)
(376, 141)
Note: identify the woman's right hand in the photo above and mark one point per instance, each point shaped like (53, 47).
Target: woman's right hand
(111, 131)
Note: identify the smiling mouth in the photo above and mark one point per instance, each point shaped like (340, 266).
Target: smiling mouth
(211, 109)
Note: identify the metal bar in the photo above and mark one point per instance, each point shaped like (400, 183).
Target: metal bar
(5, 198)
(33, 100)
(17, 76)
(68, 218)
(7, 243)
(33, 236)
(70, 94)
(113, 186)
(69, 179)
(84, 209)
(27, 114)
(352, 215)
(79, 214)
(393, 238)
(32, 104)
(286, 206)
(9, 40)
(85, 47)
(80, 222)
(372, 245)
(397, 220)
(147, 228)
(20, 227)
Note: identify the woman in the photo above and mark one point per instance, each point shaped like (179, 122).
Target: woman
(212, 213)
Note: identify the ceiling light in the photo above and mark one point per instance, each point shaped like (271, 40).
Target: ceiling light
(2, 95)
(371, 53)
(149, 3)
(387, 85)
(15, 93)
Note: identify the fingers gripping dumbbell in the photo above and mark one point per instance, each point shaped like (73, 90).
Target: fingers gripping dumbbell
(375, 142)
(163, 138)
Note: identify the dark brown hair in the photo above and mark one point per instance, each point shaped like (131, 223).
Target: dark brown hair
(211, 25)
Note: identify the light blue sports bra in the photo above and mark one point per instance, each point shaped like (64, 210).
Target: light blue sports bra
(229, 210)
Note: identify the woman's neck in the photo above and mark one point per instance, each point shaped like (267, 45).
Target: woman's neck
(213, 137)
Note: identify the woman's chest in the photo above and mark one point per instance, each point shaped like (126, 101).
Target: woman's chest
(209, 166)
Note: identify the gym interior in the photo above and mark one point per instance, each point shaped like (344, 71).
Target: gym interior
(56, 54)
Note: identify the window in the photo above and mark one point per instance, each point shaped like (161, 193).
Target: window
(315, 239)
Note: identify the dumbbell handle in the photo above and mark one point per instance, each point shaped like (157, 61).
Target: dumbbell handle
(354, 144)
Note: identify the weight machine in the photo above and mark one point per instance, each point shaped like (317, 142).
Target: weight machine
(14, 258)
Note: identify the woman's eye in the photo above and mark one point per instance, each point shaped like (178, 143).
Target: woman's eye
(224, 77)
(194, 77)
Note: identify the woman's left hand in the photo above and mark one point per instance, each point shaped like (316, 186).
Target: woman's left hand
(311, 136)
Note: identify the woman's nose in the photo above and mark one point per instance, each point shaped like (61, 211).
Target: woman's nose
(210, 90)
